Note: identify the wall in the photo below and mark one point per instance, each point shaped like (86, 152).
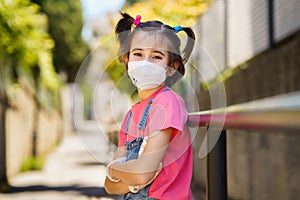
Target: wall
(273, 72)
(49, 131)
(264, 164)
(261, 164)
(19, 131)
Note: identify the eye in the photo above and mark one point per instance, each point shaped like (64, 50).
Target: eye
(137, 54)
(157, 57)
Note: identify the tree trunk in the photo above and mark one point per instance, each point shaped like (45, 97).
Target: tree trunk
(35, 130)
(3, 170)
(5, 79)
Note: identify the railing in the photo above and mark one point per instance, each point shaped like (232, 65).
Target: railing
(282, 111)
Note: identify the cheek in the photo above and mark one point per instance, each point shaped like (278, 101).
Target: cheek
(164, 63)
(132, 58)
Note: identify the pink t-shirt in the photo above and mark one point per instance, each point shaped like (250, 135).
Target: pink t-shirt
(167, 110)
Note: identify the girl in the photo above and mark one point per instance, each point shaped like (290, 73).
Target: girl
(154, 155)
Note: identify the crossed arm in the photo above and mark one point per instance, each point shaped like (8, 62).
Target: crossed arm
(141, 170)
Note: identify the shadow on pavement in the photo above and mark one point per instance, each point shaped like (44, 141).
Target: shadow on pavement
(83, 190)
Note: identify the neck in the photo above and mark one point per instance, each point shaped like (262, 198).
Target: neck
(144, 94)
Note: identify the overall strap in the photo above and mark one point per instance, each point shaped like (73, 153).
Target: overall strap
(128, 122)
(165, 90)
(143, 121)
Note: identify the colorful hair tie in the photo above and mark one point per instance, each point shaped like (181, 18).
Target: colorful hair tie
(137, 20)
(177, 28)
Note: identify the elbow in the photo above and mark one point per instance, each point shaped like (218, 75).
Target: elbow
(107, 188)
(110, 192)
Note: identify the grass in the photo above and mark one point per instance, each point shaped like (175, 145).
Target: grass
(32, 164)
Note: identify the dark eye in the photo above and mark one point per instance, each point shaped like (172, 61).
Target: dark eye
(157, 57)
(137, 54)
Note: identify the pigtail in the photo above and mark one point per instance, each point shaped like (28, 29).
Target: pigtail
(123, 28)
(123, 31)
(187, 51)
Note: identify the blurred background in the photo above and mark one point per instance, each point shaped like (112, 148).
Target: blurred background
(57, 54)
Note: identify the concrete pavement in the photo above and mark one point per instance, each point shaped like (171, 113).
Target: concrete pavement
(70, 172)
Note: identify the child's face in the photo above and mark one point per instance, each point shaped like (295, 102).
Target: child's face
(145, 47)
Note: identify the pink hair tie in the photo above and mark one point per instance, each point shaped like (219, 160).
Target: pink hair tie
(137, 20)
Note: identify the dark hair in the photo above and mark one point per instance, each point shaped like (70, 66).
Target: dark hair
(125, 35)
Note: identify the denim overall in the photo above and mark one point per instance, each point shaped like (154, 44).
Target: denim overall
(132, 150)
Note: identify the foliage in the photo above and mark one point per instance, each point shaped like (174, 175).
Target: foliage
(113, 68)
(65, 26)
(130, 2)
(32, 163)
(223, 76)
(173, 12)
(25, 48)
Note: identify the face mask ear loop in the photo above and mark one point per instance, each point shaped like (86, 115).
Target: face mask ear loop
(170, 71)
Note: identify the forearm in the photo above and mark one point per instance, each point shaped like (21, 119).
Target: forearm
(134, 172)
(143, 169)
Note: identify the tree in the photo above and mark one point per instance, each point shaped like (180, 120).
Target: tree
(128, 3)
(174, 12)
(65, 26)
(25, 61)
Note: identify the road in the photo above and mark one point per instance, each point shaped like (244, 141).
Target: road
(71, 172)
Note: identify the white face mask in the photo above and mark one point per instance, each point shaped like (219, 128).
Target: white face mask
(146, 75)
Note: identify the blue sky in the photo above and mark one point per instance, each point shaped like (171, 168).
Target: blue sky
(93, 9)
(98, 8)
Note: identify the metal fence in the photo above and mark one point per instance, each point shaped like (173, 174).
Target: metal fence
(234, 31)
(278, 112)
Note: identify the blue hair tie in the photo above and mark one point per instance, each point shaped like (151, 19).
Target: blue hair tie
(177, 28)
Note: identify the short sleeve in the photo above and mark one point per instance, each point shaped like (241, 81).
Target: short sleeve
(168, 110)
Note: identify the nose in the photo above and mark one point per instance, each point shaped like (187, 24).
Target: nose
(147, 55)
(148, 59)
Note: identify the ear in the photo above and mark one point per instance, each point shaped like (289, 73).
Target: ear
(125, 60)
(175, 65)
(172, 70)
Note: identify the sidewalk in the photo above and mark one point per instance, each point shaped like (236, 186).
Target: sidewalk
(70, 173)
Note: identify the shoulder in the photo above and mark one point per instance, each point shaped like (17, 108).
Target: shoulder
(168, 97)
(169, 102)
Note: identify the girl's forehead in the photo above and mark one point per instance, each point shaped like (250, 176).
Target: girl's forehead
(149, 40)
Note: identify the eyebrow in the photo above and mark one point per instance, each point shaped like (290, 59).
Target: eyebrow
(137, 49)
(155, 51)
